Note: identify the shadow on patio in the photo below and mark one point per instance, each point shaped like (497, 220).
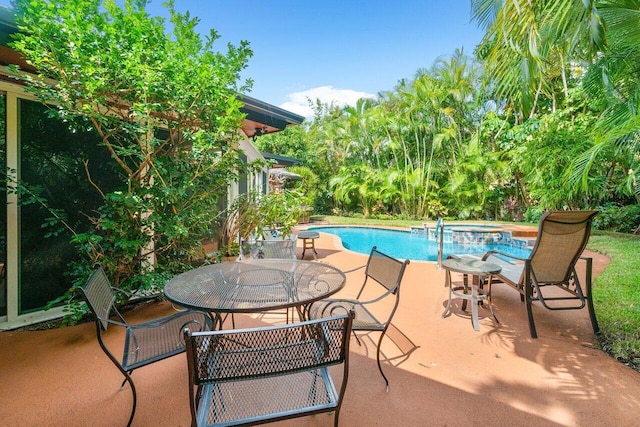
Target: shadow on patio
(441, 371)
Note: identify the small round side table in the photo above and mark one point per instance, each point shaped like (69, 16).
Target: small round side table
(476, 293)
(308, 242)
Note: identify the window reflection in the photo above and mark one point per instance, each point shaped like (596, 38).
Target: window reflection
(52, 169)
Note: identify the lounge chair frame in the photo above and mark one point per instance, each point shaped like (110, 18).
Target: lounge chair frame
(562, 237)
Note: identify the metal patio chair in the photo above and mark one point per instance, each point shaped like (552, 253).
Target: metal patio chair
(258, 375)
(562, 236)
(144, 343)
(374, 314)
(274, 249)
(270, 248)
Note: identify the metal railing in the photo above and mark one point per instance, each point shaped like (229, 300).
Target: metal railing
(439, 231)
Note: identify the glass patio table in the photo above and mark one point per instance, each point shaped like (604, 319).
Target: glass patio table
(254, 286)
(480, 270)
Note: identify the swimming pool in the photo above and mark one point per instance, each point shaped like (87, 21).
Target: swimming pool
(407, 245)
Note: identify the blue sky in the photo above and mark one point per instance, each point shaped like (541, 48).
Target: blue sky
(334, 50)
(330, 49)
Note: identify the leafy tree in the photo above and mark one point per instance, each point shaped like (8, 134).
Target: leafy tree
(253, 215)
(307, 187)
(611, 82)
(533, 48)
(474, 181)
(165, 108)
(528, 46)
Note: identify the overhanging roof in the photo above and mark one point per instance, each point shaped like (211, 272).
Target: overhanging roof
(265, 118)
(281, 161)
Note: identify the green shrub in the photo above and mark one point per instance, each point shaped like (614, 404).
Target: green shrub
(624, 219)
(533, 214)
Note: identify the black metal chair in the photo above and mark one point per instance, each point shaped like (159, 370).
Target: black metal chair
(374, 314)
(144, 343)
(274, 248)
(270, 248)
(258, 375)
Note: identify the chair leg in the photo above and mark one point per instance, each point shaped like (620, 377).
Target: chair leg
(528, 297)
(128, 379)
(135, 400)
(386, 381)
(127, 376)
(356, 337)
(592, 312)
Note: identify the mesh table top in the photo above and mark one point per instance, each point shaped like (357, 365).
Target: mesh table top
(254, 285)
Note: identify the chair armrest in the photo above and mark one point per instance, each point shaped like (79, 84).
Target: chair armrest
(148, 324)
(354, 269)
(137, 295)
(503, 254)
(113, 322)
(186, 318)
(331, 305)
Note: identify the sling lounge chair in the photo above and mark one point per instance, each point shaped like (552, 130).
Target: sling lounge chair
(562, 236)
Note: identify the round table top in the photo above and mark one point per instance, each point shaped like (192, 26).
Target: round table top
(254, 285)
(471, 266)
(308, 235)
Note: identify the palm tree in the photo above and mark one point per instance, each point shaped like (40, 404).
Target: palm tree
(529, 45)
(612, 83)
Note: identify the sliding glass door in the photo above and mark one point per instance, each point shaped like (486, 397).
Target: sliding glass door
(56, 199)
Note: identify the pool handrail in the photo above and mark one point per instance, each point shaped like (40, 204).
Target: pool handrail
(439, 230)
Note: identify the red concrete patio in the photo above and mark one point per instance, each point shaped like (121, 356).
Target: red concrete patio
(441, 372)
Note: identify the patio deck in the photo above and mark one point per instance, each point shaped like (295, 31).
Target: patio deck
(441, 372)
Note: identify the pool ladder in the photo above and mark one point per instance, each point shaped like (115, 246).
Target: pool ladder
(439, 230)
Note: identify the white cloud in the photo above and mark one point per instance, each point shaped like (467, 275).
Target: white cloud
(299, 101)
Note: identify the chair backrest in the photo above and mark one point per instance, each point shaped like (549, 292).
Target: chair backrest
(99, 296)
(237, 354)
(562, 236)
(274, 249)
(385, 270)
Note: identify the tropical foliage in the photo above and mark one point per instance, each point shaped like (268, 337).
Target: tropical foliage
(543, 115)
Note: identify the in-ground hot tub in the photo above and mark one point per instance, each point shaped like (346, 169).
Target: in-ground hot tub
(475, 234)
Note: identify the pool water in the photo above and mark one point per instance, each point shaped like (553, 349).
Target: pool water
(407, 245)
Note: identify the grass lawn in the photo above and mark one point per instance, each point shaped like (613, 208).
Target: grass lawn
(616, 292)
(616, 295)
